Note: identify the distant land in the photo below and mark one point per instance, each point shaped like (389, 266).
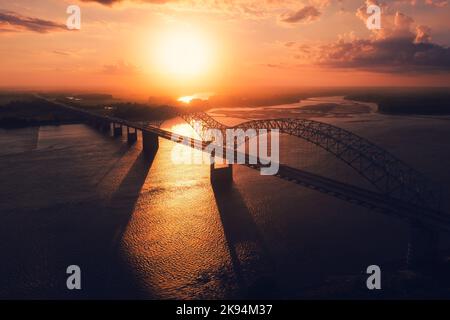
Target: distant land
(418, 101)
(21, 109)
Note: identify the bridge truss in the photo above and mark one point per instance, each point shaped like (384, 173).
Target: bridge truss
(389, 175)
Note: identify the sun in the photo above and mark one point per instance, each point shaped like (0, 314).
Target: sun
(184, 53)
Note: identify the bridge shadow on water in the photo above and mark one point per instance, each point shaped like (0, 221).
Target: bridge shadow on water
(250, 257)
(39, 241)
(117, 279)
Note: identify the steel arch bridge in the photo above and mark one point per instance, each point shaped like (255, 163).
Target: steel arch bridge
(404, 192)
(202, 122)
(389, 175)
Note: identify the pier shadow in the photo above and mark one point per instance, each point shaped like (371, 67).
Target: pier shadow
(122, 281)
(107, 275)
(250, 257)
(47, 232)
(125, 197)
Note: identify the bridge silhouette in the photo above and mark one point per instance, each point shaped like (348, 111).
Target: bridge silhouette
(401, 191)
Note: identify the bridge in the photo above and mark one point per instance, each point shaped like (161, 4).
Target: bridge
(401, 191)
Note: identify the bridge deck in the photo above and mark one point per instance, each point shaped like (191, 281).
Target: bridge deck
(369, 199)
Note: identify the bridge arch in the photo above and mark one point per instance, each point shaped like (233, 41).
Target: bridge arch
(201, 122)
(389, 175)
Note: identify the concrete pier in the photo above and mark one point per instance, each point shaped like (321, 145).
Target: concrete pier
(131, 135)
(150, 144)
(423, 246)
(93, 123)
(117, 130)
(101, 125)
(105, 127)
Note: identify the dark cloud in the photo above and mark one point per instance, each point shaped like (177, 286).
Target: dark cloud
(386, 55)
(13, 22)
(104, 2)
(111, 2)
(304, 15)
(400, 46)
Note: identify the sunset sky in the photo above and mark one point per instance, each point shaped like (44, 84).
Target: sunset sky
(183, 47)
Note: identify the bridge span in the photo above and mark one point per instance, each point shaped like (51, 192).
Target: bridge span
(403, 192)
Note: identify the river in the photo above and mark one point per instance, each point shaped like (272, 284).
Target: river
(154, 229)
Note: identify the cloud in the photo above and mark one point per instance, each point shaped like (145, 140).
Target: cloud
(433, 3)
(394, 23)
(112, 2)
(120, 68)
(104, 2)
(437, 3)
(423, 34)
(305, 15)
(13, 22)
(386, 55)
(247, 8)
(254, 9)
(275, 66)
(401, 46)
(61, 53)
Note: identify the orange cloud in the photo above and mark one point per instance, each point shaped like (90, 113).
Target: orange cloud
(304, 15)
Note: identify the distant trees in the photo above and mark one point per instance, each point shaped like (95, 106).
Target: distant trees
(421, 102)
(141, 112)
(19, 113)
(35, 112)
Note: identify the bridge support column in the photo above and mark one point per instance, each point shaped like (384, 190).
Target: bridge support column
(150, 144)
(131, 135)
(105, 126)
(221, 177)
(95, 124)
(422, 247)
(92, 122)
(117, 129)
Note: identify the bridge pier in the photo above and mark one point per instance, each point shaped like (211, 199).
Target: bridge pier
(99, 124)
(150, 144)
(423, 246)
(131, 135)
(104, 126)
(117, 129)
(90, 122)
(221, 177)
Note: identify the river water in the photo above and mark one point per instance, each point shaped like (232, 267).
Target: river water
(155, 229)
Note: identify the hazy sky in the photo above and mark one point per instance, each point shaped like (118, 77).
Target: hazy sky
(181, 47)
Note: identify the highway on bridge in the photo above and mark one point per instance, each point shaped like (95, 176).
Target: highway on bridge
(366, 198)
